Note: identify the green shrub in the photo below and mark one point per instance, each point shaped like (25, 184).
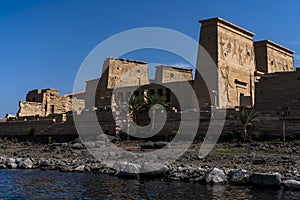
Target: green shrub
(14, 140)
(30, 132)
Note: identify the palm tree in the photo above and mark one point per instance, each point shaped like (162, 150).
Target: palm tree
(246, 118)
(135, 105)
(154, 101)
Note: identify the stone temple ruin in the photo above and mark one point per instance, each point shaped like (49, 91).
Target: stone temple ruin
(43, 103)
(258, 74)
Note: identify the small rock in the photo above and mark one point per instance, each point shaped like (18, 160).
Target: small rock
(80, 168)
(77, 146)
(44, 163)
(89, 144)
(216, 176)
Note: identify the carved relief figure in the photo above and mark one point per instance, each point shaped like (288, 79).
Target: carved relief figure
(234, 49)
(240, 50)
(222, 47)
(225, 74)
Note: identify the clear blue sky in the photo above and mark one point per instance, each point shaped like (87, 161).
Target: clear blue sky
(43, 43)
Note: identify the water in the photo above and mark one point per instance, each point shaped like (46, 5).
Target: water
(36, 184)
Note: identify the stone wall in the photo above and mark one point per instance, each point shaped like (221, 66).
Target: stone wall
(277, 90)
(271, 57)
(131, 72)
(232, 50)
(116, 73)
(27, 108)
(90, 92)
(66, 130)
(236, 63)
(46, 102)
(167, 74)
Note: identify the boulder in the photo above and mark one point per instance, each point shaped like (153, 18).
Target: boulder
(153, 169)
(120, 166)
(216, 176)
(292, 184)
(25, 164)
(11, 163)
(131, 170)
(238, 177)
(265, 179)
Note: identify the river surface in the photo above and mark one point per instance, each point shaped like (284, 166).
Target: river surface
(37, 184)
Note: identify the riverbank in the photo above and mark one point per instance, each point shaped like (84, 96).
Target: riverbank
(264, 164)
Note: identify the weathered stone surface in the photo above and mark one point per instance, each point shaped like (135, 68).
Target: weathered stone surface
(89, 144)
(216, 176)
(45, 102)
(292, 184)
(132, 168)
(80, 168)
(129, 170)
(26, 164)
(238, 177)
(154, 169)
(11, 163)
(44, 163)
(66, 168)
(77, 146)
(265, 179)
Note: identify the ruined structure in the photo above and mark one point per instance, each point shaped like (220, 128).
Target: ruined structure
(42, 103)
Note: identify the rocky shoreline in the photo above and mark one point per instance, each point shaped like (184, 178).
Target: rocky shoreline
(219, 167)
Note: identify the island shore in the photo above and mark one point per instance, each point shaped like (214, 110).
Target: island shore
(234, 163)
